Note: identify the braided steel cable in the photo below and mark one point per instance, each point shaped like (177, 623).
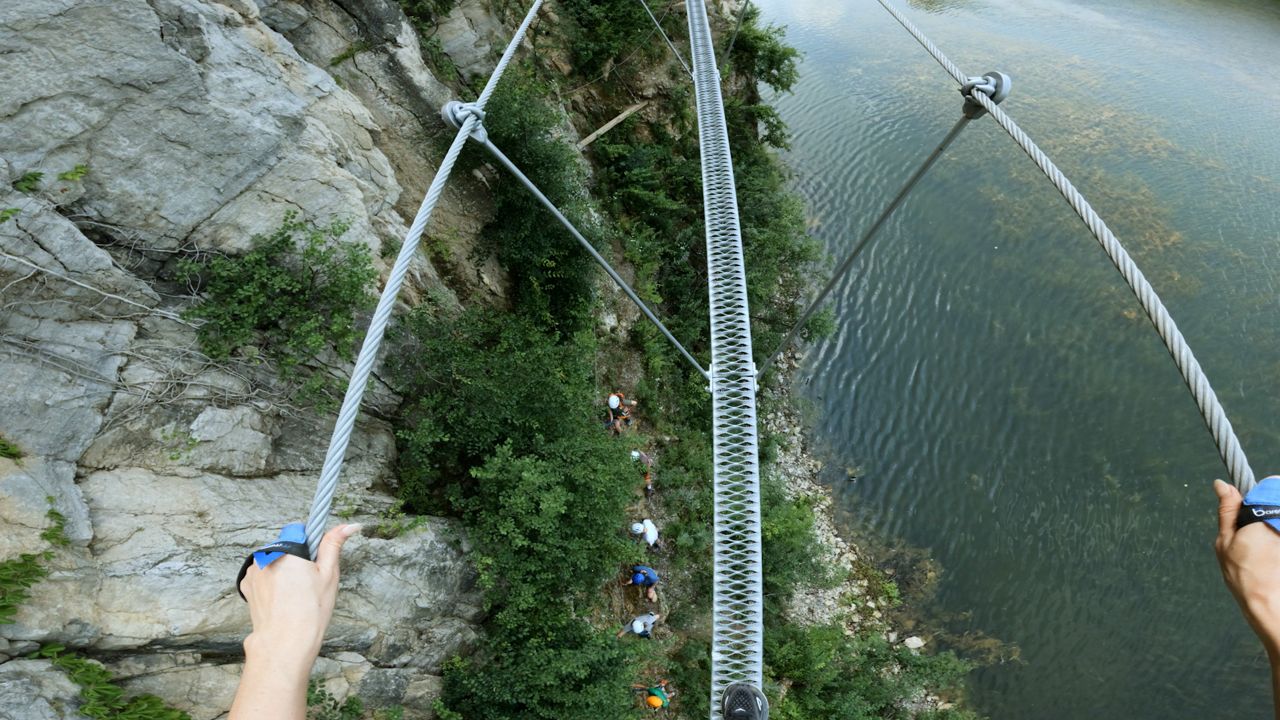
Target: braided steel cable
(737, 643)
(341, 438)
(1215, 417)
(937, 54)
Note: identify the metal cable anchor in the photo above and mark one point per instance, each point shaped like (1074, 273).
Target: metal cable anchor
(455, 114)
(995, 85)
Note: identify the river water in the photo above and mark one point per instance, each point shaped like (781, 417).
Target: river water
(1006, 403)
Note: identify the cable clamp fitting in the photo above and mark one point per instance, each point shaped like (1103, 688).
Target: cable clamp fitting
(455, 114)
(995, 85)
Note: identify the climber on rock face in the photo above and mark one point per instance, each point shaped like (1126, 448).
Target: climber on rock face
(641, 625)
(645, 578)
(646, 529)
(619, 410)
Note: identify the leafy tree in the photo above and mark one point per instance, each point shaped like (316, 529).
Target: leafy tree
(761, 53)
(550, 524)
(552, 278)
(601, 32)
(475, 382)
(863, 678)
(552, 667)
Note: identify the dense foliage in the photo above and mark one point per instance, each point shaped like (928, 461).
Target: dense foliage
(424, 14)
(551, 277)
(550, 667)
(469, 380)
(602, 33)
(863, 678)
(551, 520)
(296, 292)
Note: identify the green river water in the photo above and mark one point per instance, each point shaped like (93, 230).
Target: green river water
(1009, 407)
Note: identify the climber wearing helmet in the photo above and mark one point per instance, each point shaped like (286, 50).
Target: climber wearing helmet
(619, 412)
(641, 625)
(656, 696)
(648, 530)
(645, 578)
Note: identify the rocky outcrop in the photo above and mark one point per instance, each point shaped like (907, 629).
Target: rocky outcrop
(197, 124)
(35, 690)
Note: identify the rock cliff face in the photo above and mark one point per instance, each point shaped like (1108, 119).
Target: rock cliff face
(201, 122)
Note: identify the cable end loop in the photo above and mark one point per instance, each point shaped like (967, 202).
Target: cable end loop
(455, 114)
(995, 85)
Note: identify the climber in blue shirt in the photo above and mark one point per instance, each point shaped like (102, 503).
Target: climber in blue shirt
(645, 578)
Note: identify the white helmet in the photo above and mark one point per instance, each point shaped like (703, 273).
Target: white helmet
(637, 626)
(614, 402)
(637, 528)
(635, 454)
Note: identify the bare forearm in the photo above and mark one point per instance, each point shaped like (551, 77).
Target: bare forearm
(273, 686)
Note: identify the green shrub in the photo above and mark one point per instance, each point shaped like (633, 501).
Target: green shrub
(550, 524)
(296, 292)
(28, 182)
(352, 50)
(424, 14)
(103, 698)
(761, 53)
(863, 678)
(322, 705)
(74, 174)
(789, 546)
(552, 277)
(553, 667)
(475, 382)
(18, 575)
(601, 31)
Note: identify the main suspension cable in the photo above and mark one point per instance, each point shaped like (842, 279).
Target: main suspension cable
(342, 431)
(1215, 417)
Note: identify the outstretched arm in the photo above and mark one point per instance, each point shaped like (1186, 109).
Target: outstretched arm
(290, 603)
(1250, 560)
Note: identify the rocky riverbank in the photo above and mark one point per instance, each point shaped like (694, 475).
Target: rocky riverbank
(859, 597)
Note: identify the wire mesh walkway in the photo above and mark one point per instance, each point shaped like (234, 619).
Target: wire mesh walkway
(737, 644)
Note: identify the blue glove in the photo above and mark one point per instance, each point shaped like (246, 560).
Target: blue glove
(292, 541)
(1262, 504)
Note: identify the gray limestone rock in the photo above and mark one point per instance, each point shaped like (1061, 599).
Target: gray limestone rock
(233, 441)
(36, 690)
(201, 122)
